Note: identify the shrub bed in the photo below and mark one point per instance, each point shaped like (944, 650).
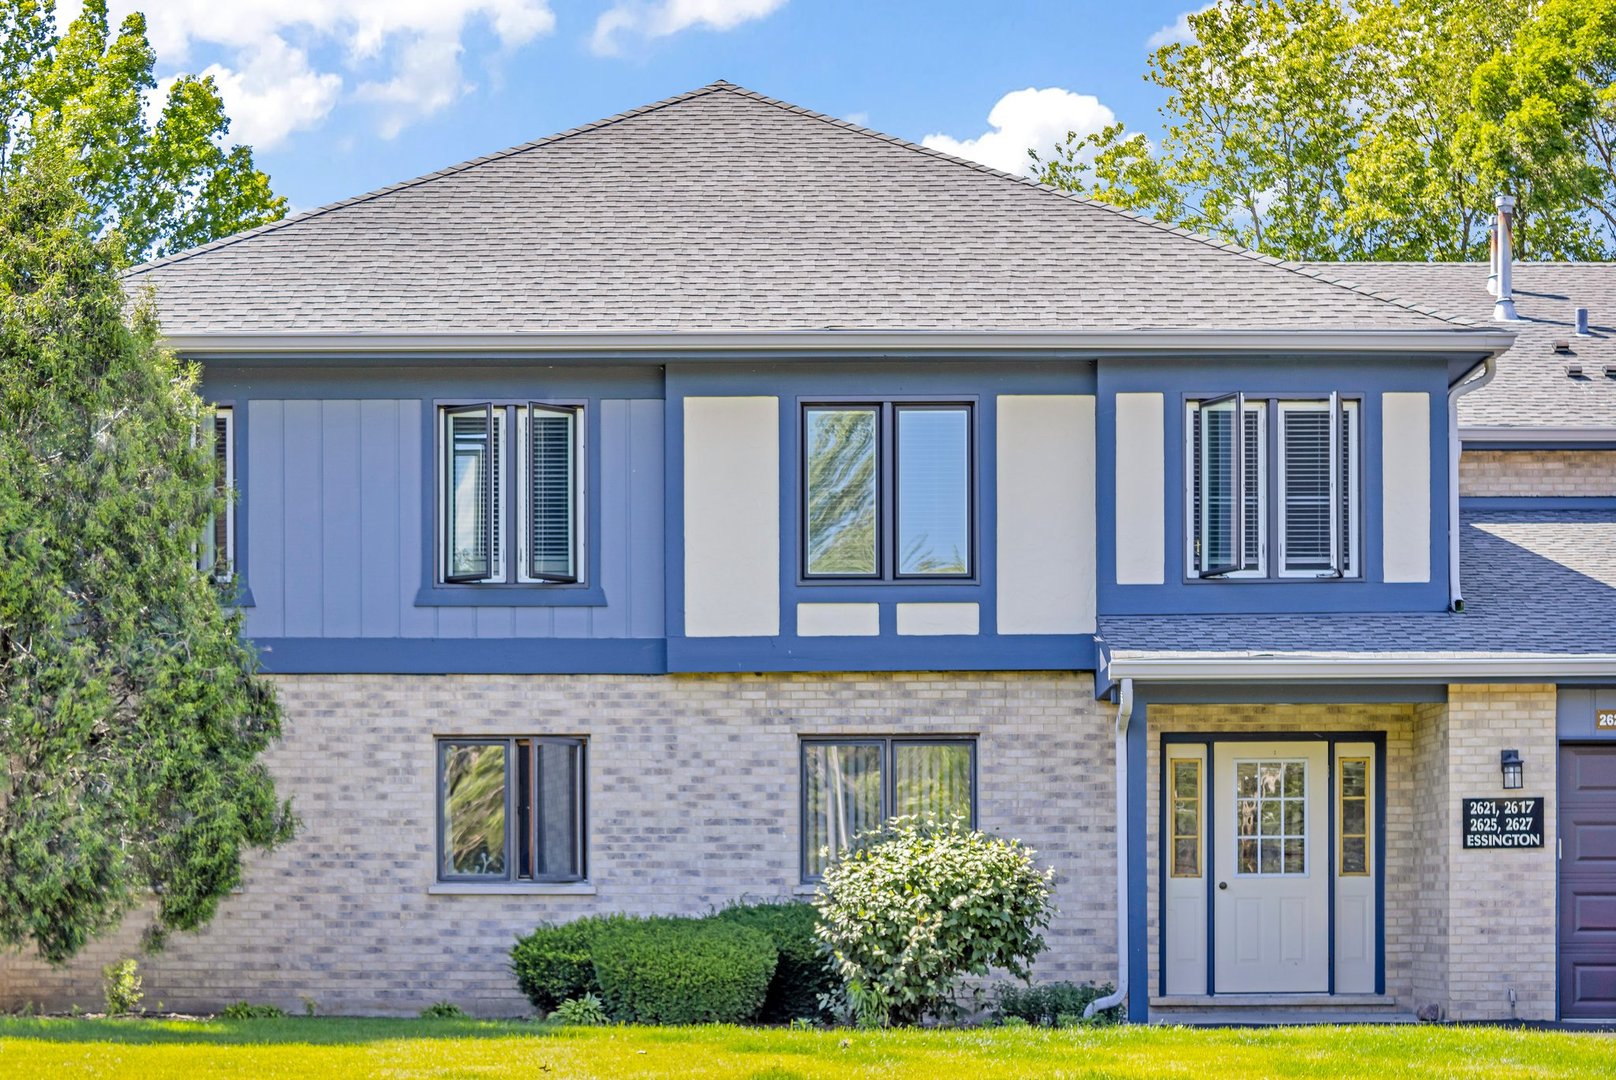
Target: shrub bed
(804, 973)
(555, 962)
(1053, 1004)
(683, 971)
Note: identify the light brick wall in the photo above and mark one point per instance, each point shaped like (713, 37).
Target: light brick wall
(1501, 901)
(1403, 846)
(1433, 811)
(693, 786)
(1538, 472)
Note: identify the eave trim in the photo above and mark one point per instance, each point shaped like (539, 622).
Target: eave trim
(1348, 669)
(1085, 342)
(1537, 434)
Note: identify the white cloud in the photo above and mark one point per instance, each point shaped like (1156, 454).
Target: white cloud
(404, 55)
(1023, 119)
(660, 18)
(862, 119)
(1177, 32)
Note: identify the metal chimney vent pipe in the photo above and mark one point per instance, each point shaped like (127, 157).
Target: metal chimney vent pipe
(1582, 322)
(1504, 309)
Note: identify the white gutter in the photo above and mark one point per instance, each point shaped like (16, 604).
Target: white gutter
(1489, 368)
(1124, 716)
(1460, 340)
(1337, 669)
(1538, 434)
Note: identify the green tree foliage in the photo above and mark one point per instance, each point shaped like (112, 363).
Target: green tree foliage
(131, 721)
(164, 186)
(1313, 129)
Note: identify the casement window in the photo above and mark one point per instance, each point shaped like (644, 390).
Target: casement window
(1275, 494)
(511, 494)
(511, 809)
(216, 554)
(850, 786)
(888, 491)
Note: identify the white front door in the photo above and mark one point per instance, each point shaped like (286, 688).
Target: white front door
(1271, 867)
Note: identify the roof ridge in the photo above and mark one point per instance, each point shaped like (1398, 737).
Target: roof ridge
(1296, 267)
(438, 174)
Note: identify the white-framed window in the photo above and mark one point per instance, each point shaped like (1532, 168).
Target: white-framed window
(216, 555)
(1288, 471)
(510, 493)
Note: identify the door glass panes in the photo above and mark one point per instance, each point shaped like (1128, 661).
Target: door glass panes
(842, 798)
(1270, 817)
(1354, 817)
(932, 780)
(934, 475)
(1185, 778)
(841, 490)
(473, 778)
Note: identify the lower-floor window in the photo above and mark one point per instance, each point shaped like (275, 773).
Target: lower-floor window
(511, 809)
(853, 785)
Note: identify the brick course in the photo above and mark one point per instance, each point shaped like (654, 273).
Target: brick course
(693, 787)
(1538, 472)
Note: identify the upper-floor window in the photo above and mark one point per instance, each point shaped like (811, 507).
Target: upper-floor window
(216, 554)
(1301, 524)
(510, 493)
(888, 490)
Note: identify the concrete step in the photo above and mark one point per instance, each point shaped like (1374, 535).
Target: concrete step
(1262, 1010)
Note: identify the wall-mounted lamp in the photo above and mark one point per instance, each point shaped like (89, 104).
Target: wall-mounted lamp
(1510, 762)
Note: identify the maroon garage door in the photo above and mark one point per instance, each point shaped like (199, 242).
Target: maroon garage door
(1588, 882)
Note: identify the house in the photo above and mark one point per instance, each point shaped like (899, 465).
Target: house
(629, 517)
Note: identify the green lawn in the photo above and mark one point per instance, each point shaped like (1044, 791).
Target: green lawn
(191, 1050)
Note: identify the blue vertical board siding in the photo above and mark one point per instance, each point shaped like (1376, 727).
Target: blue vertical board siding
(379, 610)
(614, 569)
(300, 508)
(643, 526)
(342, 547)
(263, 511)
(413, 621)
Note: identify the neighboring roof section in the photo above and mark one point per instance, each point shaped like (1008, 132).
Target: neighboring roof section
(1531, 389)
(725, 210)
(1537, 585)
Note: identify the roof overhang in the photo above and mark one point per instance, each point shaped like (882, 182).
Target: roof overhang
(1349, 668)
(740, 343)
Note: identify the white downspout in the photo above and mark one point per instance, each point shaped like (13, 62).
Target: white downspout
(1124, 716)
(1465, 385)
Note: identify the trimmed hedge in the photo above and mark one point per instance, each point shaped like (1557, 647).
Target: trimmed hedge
(683, 971)
(554, 963)
(804, 971)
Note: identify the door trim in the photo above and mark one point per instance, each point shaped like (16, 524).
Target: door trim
(1330, 739)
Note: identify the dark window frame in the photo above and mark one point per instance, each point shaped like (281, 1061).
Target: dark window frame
(505, 486)
(887, 525)
(889, 745)
(518, 819)
(1273, 571)
(221, 567)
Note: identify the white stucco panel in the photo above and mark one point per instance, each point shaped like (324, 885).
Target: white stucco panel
(732, 516)
(1141, 502)
(838, 620)
(1046, 514)
(937, 619)
(1405, 439)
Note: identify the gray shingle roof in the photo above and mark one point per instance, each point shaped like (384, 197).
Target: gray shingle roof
(722, 209)
(1536, 583)
(1531, 388)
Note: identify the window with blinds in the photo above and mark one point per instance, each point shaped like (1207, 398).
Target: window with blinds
(888, 490)
(1311, 447)
(217, 553)
(494, 500)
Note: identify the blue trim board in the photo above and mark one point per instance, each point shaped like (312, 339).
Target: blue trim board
(787, 652)
(1138, 930)
(1138, 907)
(1536, 502)
(462, 656)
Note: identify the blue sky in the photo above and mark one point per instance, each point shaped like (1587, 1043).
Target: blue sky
(343, 96)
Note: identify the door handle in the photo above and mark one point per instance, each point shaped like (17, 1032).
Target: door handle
(1223, 884)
